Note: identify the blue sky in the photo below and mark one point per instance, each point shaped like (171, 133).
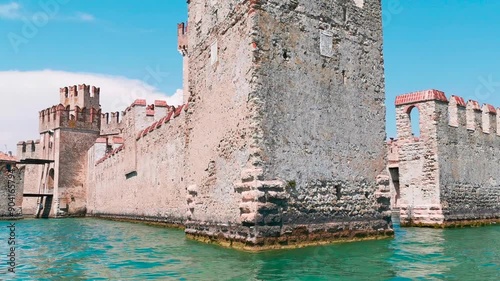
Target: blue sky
(449, 45)
(114, 37)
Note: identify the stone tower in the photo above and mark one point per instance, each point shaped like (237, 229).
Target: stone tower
(67, 131)
(286, 123)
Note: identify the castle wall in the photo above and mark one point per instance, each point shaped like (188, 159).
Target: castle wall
(323, 115)
(468, 165)
(449, 174)
(32, 174)
(155, 190)
(220, 121)
(111, 124)
(418, 164)
(73, 146)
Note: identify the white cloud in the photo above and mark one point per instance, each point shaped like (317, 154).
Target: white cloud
(10, 11)
(85, 17)
(24, 93)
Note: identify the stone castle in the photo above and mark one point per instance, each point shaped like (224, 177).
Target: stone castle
(280, 142)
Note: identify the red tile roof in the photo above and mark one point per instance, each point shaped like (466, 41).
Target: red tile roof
(7, 158)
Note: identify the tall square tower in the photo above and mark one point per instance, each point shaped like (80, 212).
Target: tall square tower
(286, 123)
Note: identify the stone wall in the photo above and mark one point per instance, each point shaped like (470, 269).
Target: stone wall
(418, 163)
(469, 170)
(323, 115)
(301, 88)
(32, 175)
(155, 190)
(73, 145)
(111, 124)
(221, 121)
(449, 174)
(11, 191)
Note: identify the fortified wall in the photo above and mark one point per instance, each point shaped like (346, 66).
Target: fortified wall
(141, 177)
(449, 174)
(298, 149)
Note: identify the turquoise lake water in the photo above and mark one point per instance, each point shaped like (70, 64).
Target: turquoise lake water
(91, 249)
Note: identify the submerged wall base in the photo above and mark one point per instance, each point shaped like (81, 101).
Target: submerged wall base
(261, 238)
(454, 224)
(149, 220)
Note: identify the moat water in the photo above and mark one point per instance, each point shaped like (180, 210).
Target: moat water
(91, 249)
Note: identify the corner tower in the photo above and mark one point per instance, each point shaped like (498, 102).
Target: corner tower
(67, 131)
(299, 88)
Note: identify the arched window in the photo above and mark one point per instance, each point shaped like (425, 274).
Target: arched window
(414, 114)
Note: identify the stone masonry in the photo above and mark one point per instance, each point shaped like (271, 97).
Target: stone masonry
(284, 78)
(449, 174)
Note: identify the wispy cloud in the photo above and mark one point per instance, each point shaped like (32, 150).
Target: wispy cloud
(14, 11)
(84, 17)
(10, 11)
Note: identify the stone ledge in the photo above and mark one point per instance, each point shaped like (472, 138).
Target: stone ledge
(262, 238)
(454, 224)
(149, 220)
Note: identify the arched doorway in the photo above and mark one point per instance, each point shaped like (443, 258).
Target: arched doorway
(50, 181)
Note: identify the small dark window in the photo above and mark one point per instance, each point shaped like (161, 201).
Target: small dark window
(338, 191)
(131, 175)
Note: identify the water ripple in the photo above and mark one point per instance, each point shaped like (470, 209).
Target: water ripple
(89, 249)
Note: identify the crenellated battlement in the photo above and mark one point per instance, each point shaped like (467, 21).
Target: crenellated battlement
(65, 116)
(172, 114)
(83, 96)
(157, 124)
(28, 149)
(111, 123)
(457, 113)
